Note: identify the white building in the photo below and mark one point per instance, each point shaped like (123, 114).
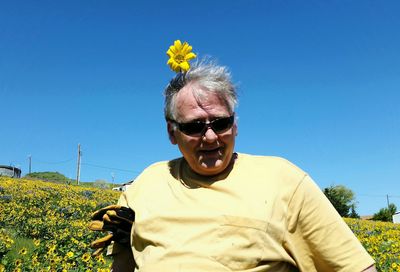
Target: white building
(396, 217)
(123, 187)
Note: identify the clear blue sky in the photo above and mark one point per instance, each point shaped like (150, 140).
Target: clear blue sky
(318, 84)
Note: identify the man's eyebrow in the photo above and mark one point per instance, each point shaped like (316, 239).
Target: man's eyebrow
(205, 119)
(194, 120)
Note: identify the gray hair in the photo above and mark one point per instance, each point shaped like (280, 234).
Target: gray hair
(214, 78)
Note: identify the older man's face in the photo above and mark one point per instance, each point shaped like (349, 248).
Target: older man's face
(209, 153)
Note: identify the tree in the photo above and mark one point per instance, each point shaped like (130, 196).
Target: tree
(385, 214)
(342, 199)
(100, 183)
(353, 213)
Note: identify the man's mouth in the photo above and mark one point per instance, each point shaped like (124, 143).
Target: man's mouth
(211, 150)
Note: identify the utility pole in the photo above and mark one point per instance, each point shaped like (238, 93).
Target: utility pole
(30, 163)
(387, 198)
(78, 171)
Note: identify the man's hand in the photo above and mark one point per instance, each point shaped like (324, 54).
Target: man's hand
(115, 219)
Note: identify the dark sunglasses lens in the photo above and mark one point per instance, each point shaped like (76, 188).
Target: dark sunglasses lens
(222, 124)
(192, 128)
(196, 128)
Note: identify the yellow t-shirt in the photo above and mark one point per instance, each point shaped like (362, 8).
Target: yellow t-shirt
(264, 215)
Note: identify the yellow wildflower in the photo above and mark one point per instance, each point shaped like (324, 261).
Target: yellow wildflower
(23, 251)
(52, 247)
(53, 261)
(100, 259)
(70, 254)
(36, 242)
(18, 262)
(179, 56)
(86, 257)
(35, 261)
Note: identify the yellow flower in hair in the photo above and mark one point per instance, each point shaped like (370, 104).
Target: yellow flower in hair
(179, 56)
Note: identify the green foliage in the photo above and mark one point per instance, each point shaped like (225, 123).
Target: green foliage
(6, 242)
(20, 243)
(98, 183)
(342, 199)
(385, 214)
(353, 213)
(57, 177)
(50, 176)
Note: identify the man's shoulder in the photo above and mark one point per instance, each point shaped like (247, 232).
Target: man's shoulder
(160, 168)
(162, 165)
(265, 159)
(154, 175)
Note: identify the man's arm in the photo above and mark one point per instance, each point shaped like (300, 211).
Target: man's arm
(332, 242)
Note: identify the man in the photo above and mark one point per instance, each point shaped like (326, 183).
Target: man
(217, 210)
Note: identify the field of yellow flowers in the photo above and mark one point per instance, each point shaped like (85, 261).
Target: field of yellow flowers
(382, 241)
(52, 219)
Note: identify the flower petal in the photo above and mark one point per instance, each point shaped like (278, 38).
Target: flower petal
(184, 66)
(184, 47)
(175, 67)
(173, 49)
(178, 45)
(188, 49)
(190, 56)
(170, 53)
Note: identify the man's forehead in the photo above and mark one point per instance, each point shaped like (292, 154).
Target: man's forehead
(195, 101)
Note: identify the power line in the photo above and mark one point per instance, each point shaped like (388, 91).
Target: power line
(110, 168)
(364, 195)
(57, 162)
(83, 163)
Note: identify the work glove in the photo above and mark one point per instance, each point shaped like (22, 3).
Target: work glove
(117, 221)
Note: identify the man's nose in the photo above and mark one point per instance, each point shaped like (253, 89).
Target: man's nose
(209, 135)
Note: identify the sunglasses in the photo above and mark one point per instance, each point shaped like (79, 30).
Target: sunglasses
(197, 128)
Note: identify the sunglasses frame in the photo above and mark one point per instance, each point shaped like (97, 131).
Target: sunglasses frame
(206, 125)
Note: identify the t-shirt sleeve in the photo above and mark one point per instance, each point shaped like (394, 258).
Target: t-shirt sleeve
(317, 237)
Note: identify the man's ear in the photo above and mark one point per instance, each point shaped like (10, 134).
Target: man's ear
(235, 129)
(171, 133)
